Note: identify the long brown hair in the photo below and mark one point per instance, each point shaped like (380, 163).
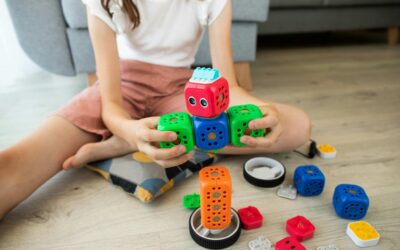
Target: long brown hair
(128, 7)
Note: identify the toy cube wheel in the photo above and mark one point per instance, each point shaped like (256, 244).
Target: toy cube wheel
(264, 172)
(214, 239)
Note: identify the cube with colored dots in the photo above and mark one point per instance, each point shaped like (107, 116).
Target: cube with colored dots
(362, 234)
(239, 118)
(309, 180)
(326, 151)
(350, 201)
(191, 201)
(206, 93)
(211, 134)
(181, 124)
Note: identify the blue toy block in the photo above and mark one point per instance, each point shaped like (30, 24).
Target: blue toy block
(205, 74)
(350, 201)
(309, 180)
(211, 134)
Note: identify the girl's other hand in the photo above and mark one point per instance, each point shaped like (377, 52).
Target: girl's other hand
(271, 122)
(144, 135)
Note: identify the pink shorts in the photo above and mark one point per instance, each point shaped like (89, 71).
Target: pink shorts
(147, 90)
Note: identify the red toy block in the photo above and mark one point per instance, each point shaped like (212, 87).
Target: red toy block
(300, 228)
(207, 99)
(250, 217)
(289, 243)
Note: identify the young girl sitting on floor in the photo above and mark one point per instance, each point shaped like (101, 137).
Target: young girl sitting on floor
(143, 50)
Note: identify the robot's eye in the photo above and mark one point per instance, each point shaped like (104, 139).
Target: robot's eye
(203, 102)
(192, 101)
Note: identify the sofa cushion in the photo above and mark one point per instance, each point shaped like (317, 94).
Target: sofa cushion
(359, 2)
(243, 10)
(296, 3)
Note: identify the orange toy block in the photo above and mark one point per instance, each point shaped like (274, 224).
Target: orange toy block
(215, 195)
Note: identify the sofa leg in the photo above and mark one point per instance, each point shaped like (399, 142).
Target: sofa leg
(393, 35)
(91, 78)
(243, 75)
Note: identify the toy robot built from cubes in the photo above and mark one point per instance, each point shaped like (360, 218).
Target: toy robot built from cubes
(209, 128)
(215, 225)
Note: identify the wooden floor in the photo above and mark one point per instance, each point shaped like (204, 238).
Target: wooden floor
(352, 94)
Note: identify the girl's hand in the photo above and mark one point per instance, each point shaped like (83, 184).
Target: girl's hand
(144, 135)
(271, 122)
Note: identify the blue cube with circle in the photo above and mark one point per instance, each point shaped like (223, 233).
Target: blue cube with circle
(350, 201)
(309, 180)
(213, 133)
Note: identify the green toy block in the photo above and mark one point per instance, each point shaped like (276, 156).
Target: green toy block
(239, 118)
(191, 201)
(181, 124)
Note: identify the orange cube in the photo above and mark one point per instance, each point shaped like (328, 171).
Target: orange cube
(215, 197)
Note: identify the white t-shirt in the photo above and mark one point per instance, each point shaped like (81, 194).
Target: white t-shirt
(169, 32)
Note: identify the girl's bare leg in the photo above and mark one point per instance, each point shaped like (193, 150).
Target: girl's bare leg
(31, 162)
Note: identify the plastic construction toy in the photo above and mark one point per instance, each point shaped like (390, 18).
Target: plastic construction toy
(239, 118)
(215, 224)
(328, 247)
(250, 217)
(181, 124)
(264, 172)
(191, 201)
(287, 191)
(300, 228)
(261, 243)
(326, 151)
(211, 133)
(362, 234)
(289, 243)
(309, 180)
(350, 201)
(206, 93)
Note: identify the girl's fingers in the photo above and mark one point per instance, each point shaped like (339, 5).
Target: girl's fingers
(152, 135)
(152, 122)
(265, 142)
(160, 154)
(176, 161)
(265, 122)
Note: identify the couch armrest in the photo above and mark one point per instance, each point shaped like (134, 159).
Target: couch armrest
(41, 32)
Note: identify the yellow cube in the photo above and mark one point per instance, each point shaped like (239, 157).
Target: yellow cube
(362, 234)
(326, 151)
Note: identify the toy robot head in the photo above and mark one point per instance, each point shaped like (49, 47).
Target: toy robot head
(206, 93)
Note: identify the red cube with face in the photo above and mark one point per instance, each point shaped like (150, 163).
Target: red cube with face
(206, 93)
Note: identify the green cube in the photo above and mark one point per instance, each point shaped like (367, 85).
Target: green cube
(181, 124)
(239, 118)
(191, 201)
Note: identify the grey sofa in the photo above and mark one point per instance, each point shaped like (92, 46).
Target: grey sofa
(54, 34)
(296, 16)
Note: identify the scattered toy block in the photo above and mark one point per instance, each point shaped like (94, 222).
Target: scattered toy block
(287, 191)
(191, 201)
(250, 217)
(300, 228)
(289, 243)
(261, 243)
(350, 201)
(326, 151)
(309, 180)
(362, 234)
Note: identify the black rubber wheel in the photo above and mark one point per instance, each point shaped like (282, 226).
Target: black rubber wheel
(224, 239)
(267, 182)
